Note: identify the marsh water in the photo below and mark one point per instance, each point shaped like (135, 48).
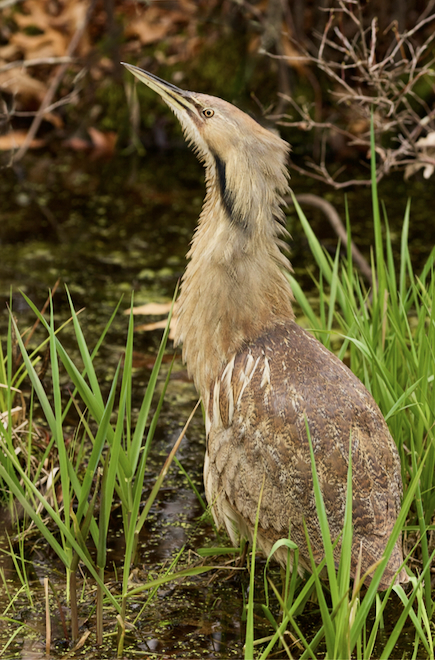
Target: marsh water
(107, 229)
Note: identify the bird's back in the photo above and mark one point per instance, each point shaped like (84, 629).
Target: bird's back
(257, 415)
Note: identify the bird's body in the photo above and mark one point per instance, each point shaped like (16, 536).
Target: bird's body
(262, 377)
(256, 416)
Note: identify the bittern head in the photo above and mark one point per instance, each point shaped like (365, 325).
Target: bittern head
(249, 159)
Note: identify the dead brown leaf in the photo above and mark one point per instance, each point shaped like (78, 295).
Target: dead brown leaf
(15, 139)
(54, 119)
(155, 24)
(18, 82)
(152, 309)
(103, 143)
(16, 415)
(157, 325)
(76, 143)
(50, 44)
(56, 30)
(148, 360)
(8, 52)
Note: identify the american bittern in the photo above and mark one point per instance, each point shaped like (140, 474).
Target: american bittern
(259, 374)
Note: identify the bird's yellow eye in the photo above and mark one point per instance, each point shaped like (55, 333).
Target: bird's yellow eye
(208, 112)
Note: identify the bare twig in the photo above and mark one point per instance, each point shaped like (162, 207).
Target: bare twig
(339, 228)
(20, 64)
(327, 178)
(373, 80)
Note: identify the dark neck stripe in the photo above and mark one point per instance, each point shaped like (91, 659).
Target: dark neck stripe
(227, 197)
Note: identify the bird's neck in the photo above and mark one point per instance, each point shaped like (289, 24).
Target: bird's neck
(234, 289)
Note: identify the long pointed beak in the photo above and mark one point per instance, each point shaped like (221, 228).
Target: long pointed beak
(176, 98)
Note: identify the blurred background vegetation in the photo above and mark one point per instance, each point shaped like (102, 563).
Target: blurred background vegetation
(80, 204)
(317, 67)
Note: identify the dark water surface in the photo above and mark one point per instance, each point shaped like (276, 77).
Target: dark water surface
(106, 229)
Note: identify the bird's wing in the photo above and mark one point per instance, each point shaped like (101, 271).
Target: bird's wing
(258, 414)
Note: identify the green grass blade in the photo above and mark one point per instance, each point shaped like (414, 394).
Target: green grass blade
(83, 490)
(146, 402)
(249, 639)
(328, 625)
(58, 434)
(111, 468)
(324, 526)
(404, 253)
(84, 352)
(152, 496)
(378, 290)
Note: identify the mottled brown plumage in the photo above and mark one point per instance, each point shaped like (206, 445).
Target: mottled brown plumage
(259, 374)
(293, 377)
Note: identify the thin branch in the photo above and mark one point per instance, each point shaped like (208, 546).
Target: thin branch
(335, 221)
(385, 86)
(325, 32)
(337, 185)
(25, 64)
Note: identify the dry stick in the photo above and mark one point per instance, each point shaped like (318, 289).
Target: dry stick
(61, 612)
(359, 58)
(54, 85)
(35, 62)
(339, 228)
(19, 357)
(325, 177)
(47, 619)
(174, 449)
(42, 312)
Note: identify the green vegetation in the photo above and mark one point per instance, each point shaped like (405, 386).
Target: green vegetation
(388, 340)
(387, 337)
(102, 466)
